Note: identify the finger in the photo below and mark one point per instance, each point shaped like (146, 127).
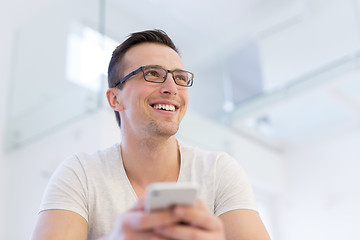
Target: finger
(157, 237)
(147, 235)
(198, 216)
(183, 232)
(141, 221)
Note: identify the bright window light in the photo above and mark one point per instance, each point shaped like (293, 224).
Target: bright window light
(88, 56)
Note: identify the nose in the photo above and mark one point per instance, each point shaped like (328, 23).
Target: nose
(169, 86)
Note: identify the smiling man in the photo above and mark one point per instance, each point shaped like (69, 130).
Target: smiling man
(100, 195)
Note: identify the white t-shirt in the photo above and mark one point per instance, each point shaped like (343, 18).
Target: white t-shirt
(96, 185)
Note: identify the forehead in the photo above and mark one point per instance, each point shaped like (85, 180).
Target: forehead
(152, 54)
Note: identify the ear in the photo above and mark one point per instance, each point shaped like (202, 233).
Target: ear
(114, 100)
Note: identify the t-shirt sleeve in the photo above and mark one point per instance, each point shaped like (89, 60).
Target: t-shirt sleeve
(67, 188)
(233, 189)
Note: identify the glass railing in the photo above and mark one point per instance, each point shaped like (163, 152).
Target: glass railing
(344, 69)
(47, 90)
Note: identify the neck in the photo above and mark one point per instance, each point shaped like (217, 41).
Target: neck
(150, 160)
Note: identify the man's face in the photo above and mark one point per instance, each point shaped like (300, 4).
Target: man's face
(143, 101)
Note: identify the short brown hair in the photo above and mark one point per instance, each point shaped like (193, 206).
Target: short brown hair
(115, 66)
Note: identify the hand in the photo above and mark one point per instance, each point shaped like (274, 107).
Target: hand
(137, 224)
(200, 224)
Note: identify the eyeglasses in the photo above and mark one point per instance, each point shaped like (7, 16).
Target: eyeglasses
(158, 74)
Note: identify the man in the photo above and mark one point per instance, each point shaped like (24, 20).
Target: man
(100, 196)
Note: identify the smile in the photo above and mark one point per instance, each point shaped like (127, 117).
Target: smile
(165, 107)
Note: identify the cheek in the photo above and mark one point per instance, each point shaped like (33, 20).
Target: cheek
(186, 98)
(139, 99)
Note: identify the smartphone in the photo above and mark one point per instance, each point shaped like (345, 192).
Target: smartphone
(164, 195)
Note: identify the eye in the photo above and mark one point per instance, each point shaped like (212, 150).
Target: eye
(181, 77)
(152, 73)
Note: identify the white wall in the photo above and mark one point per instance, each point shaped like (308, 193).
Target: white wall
(5, 64)
(30, 167)
(323, 198)
(12, 14)
(5, 47)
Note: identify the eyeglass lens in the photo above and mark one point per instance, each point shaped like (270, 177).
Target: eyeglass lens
(158, 74)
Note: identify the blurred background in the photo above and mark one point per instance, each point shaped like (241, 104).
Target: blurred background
(277, 85)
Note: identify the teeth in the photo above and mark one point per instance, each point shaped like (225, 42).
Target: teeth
(164, 107)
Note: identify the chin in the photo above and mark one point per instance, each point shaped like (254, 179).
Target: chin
(165, 130)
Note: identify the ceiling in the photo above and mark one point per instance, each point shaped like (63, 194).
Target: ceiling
(280, 71)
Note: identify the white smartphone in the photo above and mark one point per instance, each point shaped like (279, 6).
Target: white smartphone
(163, 195)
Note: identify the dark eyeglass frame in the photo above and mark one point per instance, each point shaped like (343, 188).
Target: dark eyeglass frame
(122, 80)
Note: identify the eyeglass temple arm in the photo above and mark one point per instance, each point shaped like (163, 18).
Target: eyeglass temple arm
(127, 77)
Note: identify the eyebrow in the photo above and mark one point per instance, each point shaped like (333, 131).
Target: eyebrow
(155, 65)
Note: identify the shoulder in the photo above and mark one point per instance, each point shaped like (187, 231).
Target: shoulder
(112, 152)
(100, 157)
(208, 163)
(84, 164)
(205, 156)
